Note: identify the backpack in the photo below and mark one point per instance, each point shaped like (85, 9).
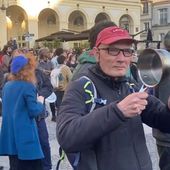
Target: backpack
(90, 100)
(57, 77)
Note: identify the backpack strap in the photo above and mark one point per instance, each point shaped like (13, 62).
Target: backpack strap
(62, 156)
(90, 93)
(73, 158)
(90, 100)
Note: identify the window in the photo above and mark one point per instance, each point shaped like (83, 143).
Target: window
(19, 38)
(19, 45)
(145, 8)
(161, 36)
(23, 44)
(51, 20)
(163, 16)
(76, 45)
(146, 25)
(124, 23)
(79, 21)
(137, 29)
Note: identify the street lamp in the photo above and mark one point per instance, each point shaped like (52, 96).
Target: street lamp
(149, 38)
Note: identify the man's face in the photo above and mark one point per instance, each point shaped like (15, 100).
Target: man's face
(111, 64)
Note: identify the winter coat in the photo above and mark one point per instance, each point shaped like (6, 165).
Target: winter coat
(19, 130)
(45, 66)
(43, 85)
(105, 138)
(1, 81)
(6, 62)
(44, 88)
(162, 91)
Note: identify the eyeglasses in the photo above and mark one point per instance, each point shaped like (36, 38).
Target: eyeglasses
(115, 51)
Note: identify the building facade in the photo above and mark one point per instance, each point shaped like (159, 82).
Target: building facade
(155, 14)
(28, 20)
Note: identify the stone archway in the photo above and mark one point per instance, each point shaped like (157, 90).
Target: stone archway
(17, 24)
(77, 21)
(48, 22)
(101, 17)
(126, 22)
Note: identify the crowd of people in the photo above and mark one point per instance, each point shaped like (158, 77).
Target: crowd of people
(109, 135)
(24, 68)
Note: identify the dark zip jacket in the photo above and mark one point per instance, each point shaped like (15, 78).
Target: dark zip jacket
(106, 139)
(162, 91)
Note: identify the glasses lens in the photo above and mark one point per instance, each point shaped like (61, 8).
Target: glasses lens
(128, 52)
(113, 51)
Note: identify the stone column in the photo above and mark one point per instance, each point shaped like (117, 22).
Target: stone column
(63, 25)
(3, 28)
(33, 31)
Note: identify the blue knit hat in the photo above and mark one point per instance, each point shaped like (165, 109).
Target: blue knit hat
(18, 63)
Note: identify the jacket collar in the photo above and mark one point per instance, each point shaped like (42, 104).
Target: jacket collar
(96, 69)
(111, 81)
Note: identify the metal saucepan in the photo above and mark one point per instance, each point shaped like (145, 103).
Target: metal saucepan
(153, 65)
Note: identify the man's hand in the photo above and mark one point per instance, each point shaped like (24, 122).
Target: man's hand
(133, 104)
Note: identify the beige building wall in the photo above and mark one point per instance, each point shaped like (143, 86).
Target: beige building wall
(41, 18)
(3, 28)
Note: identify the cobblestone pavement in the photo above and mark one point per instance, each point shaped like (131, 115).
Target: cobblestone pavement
(65, 166)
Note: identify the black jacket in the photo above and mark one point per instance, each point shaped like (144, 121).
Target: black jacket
(162, 91)
(105, 138)
(43, 85)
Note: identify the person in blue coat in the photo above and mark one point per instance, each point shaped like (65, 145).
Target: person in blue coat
(19, 136)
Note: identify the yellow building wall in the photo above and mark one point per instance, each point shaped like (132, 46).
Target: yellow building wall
(62, 9)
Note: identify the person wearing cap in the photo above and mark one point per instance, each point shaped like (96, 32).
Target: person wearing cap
(87, 58)
(111, 137)
(19, 136)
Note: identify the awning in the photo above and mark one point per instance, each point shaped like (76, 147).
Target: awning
(60, 35)
(66, 36)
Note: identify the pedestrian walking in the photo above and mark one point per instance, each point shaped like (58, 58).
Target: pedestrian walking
(62, 76)
(46, 66)
(45, 89)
